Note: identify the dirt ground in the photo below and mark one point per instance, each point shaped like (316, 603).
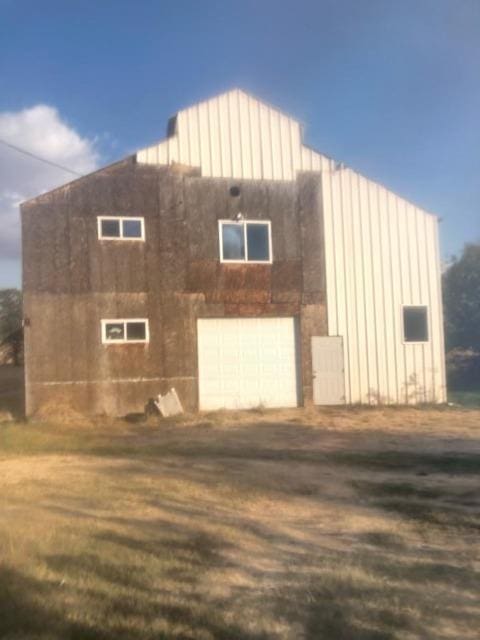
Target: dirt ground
(358, 524)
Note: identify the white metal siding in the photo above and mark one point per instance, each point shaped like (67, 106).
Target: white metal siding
(382, 253)
(236, 136)
(247, 362)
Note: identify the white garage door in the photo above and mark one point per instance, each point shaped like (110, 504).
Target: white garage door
(247, 362)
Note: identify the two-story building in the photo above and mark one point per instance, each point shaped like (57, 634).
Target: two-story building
(234, 263)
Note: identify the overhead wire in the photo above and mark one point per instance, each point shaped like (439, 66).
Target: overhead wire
(39, 158)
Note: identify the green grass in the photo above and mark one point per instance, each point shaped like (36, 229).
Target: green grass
(465, 398)
(420, 463)
(397, 490)
(40, 439)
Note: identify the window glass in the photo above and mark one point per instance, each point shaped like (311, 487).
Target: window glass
(136, 331)
(132, 229)
(415, 325)
(110, 228)
(258, 248)
(115, 331)
(233, 242)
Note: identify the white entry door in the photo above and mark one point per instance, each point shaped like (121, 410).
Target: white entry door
(328, 370)
(247, 362)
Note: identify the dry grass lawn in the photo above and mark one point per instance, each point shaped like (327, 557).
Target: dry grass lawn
(352, 525)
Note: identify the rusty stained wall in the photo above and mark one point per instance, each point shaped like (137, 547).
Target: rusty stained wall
(72, 280)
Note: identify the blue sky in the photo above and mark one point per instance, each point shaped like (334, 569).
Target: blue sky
(391, 88)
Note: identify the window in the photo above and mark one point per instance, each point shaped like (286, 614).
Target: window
(245, 241)
(120, 228)
(120, 331)
(415, 324)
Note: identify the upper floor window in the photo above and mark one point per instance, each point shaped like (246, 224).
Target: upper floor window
(120, 228)
(415, 324)
(245, 241)
(119, 331)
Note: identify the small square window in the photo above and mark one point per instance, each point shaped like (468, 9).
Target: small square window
(245, 241)
(110, 228)
(233, 242)
(136, 331)
(415, 324)
(258, 243)
(132, 229)
(114, 331)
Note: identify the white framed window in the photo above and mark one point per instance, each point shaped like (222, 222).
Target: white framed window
(245, 241)
(415, 323)
(120, 331)
(120, 228)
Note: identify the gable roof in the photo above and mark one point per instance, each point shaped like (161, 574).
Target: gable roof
(234, 135)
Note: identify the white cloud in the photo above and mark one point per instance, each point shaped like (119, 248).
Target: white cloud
(40, 130)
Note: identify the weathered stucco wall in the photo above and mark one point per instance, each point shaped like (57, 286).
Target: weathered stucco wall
(72, 280)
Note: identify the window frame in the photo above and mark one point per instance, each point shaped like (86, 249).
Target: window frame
(427, 318)
(121, 219)
(244, 223)
(124, 321)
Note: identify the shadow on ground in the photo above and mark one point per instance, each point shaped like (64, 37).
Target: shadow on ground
(277, 531)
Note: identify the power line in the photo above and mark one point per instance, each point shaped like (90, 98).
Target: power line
(33, 155)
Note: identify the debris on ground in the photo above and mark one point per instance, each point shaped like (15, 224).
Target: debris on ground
(169, 404)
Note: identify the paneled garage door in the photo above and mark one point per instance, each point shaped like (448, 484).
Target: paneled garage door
(247, 362)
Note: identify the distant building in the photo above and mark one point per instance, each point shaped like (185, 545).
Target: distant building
(236, 264)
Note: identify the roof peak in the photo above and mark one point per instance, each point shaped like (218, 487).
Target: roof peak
(239, 91)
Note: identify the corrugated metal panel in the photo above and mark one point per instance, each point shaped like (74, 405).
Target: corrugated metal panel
(236, 136)
(381, 254)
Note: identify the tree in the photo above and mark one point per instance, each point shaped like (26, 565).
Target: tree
(461, 298)
(11, 332)
(10, 312)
